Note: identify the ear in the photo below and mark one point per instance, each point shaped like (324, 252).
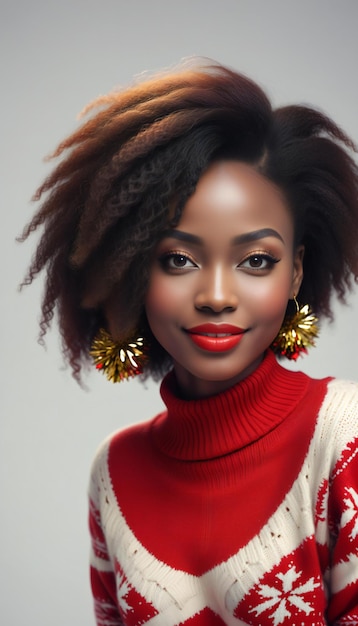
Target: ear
(297, 275)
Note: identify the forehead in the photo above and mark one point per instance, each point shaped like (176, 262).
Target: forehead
(232, 196)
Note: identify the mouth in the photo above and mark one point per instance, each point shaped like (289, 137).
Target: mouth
(216, 337)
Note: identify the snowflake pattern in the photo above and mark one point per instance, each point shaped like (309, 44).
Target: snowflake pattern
(350, 513)
(133, 607)
(285, 596)
(122, 592)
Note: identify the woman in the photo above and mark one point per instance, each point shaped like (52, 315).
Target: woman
(184, 229)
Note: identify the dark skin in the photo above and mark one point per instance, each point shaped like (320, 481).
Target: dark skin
(231, 260)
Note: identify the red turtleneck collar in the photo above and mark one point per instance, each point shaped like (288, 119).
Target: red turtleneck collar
(221, 424)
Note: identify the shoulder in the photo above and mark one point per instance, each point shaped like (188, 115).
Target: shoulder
(338, 415)
(120, 442)
(117, 439)
(100, 479)
(342, 398)
(101, 454)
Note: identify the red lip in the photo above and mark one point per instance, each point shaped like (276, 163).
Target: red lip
(199, 336)
(216, 328)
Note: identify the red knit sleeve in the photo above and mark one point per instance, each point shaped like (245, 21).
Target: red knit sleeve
(343, 516)
(103, 580)
(103, 576)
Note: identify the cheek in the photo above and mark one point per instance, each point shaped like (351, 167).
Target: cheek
(160, 303)
(154, 301)
(166, 294)
(160, 311)
(269, 298)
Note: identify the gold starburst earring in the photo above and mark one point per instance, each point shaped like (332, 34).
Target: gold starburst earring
(297, 333)
(118, 360)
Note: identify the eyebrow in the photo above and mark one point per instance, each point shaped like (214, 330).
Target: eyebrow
(253, 235)
(257, 234)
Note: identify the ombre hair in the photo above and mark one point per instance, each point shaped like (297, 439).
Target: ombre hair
(127, 172)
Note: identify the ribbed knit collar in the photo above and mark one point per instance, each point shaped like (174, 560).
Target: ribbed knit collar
(218, 425)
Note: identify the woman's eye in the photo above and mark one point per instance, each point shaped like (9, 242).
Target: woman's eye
(176, 261)
(259, 262)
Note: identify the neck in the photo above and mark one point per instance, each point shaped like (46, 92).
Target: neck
(193, 388)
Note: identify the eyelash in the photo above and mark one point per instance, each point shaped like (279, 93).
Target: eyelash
(166, 258)
(270, 259)
(169, 256)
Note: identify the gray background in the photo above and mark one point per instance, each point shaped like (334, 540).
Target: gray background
(55, 57)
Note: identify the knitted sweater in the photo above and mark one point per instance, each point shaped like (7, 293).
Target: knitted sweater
(240, 508)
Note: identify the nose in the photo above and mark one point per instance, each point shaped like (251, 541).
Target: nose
(216, 292)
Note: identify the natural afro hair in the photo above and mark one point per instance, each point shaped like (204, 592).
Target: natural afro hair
(125, 176)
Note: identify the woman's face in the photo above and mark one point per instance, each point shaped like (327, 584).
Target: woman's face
(220, 281)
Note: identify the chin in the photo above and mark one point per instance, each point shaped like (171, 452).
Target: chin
(219, 373)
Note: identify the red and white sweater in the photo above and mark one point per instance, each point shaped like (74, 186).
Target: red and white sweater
(241, 508)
